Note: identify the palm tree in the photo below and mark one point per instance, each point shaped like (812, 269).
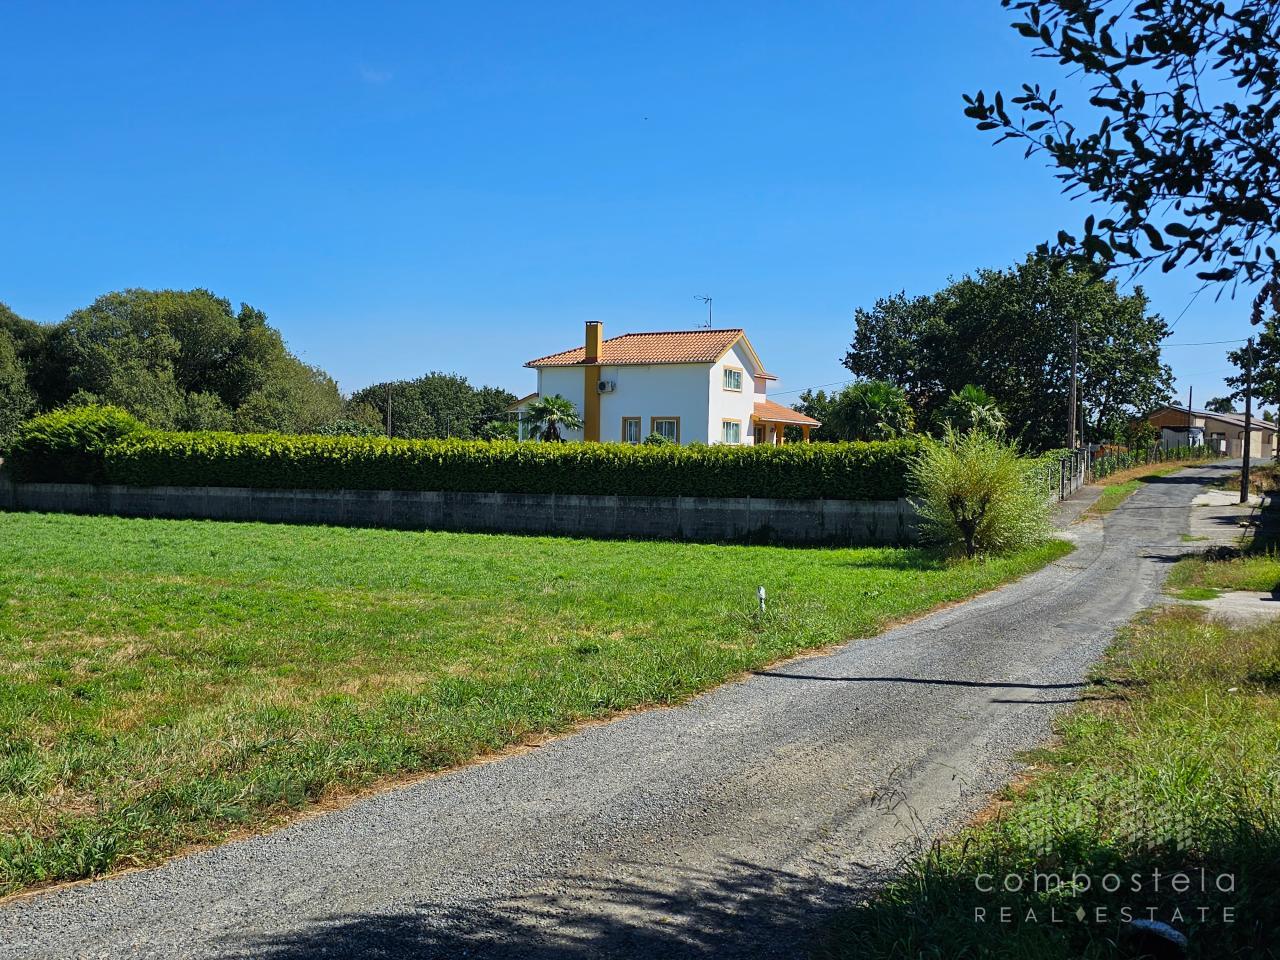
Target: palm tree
(547, 416)
(870, 410)
(972, 408)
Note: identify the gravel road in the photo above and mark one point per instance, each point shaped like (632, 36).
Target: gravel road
(727, 826)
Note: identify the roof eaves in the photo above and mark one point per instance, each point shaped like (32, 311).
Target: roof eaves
(512, 407)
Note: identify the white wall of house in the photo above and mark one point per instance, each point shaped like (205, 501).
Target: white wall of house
(656, 390)
(733, 405)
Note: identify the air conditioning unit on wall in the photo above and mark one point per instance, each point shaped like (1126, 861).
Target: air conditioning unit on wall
(606, 386)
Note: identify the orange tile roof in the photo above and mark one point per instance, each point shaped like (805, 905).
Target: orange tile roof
(777, 413)
(674, 346)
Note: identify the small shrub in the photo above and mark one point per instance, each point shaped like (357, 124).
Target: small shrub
(973, 490)
(68, 445)
(658, 440)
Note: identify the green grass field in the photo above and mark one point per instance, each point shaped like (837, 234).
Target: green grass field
(1172, 764)
(166, 683)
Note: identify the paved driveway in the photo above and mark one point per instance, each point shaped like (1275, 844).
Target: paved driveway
(725, 827)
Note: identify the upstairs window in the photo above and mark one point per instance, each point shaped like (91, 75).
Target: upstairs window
(732, 379)
(631, 430)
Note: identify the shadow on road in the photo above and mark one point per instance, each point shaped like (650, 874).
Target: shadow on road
(1174, 478)
(992, 684)
(750, 911)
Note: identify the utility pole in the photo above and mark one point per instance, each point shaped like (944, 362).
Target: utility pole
(388, 411)
(1075, 376)
(1248, 419)
(1190, 420)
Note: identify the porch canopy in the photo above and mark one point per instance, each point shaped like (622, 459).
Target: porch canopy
(771, 420)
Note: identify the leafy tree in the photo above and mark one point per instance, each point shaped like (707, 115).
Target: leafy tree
(117, 356)
(435, 405)
(548, 416)
(179, 359)
(369, 420)
(897, 341)
(1182, 149)
(494, 421)
(971, 408)
(348, 427)
(1221, 405)
(1138, 434)
(1265, 361)
(184, 359)
(26, 336)
(299, 398)
(817, 404)
(494, 401)
(204, 411)
(17, 402)
(1011, 331)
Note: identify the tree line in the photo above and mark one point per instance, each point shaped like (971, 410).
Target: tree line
(995, 349)
(185, 360)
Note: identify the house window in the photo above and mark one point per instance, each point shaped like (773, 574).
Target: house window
(730, 431)
(631, 430)
(668, 427)
(733, 379)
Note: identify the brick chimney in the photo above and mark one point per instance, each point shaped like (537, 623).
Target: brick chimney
(595, 335)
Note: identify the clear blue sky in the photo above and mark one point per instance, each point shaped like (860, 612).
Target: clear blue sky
(409, 187)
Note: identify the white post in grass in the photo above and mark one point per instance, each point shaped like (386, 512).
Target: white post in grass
(760, 594)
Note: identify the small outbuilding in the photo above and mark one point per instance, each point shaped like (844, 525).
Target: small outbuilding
(1223, 432)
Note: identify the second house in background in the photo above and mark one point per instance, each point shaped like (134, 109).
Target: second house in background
(690, 386)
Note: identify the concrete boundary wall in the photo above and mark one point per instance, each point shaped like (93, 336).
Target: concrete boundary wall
(665, 518)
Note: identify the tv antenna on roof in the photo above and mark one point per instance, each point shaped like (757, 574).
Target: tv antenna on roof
(707, 301)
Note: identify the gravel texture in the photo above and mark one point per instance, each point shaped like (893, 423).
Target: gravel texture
(728, 826)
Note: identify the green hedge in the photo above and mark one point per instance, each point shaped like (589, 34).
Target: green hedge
(845, 471)
(69, 446)
(107, 445)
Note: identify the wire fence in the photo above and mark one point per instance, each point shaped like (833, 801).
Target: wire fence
(1114, 460)
(1063, 472)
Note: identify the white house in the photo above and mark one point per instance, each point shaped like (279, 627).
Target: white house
(692, 386)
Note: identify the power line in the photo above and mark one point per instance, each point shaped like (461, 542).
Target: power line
(1187, 307)
(836, 383)
(1202, 343)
